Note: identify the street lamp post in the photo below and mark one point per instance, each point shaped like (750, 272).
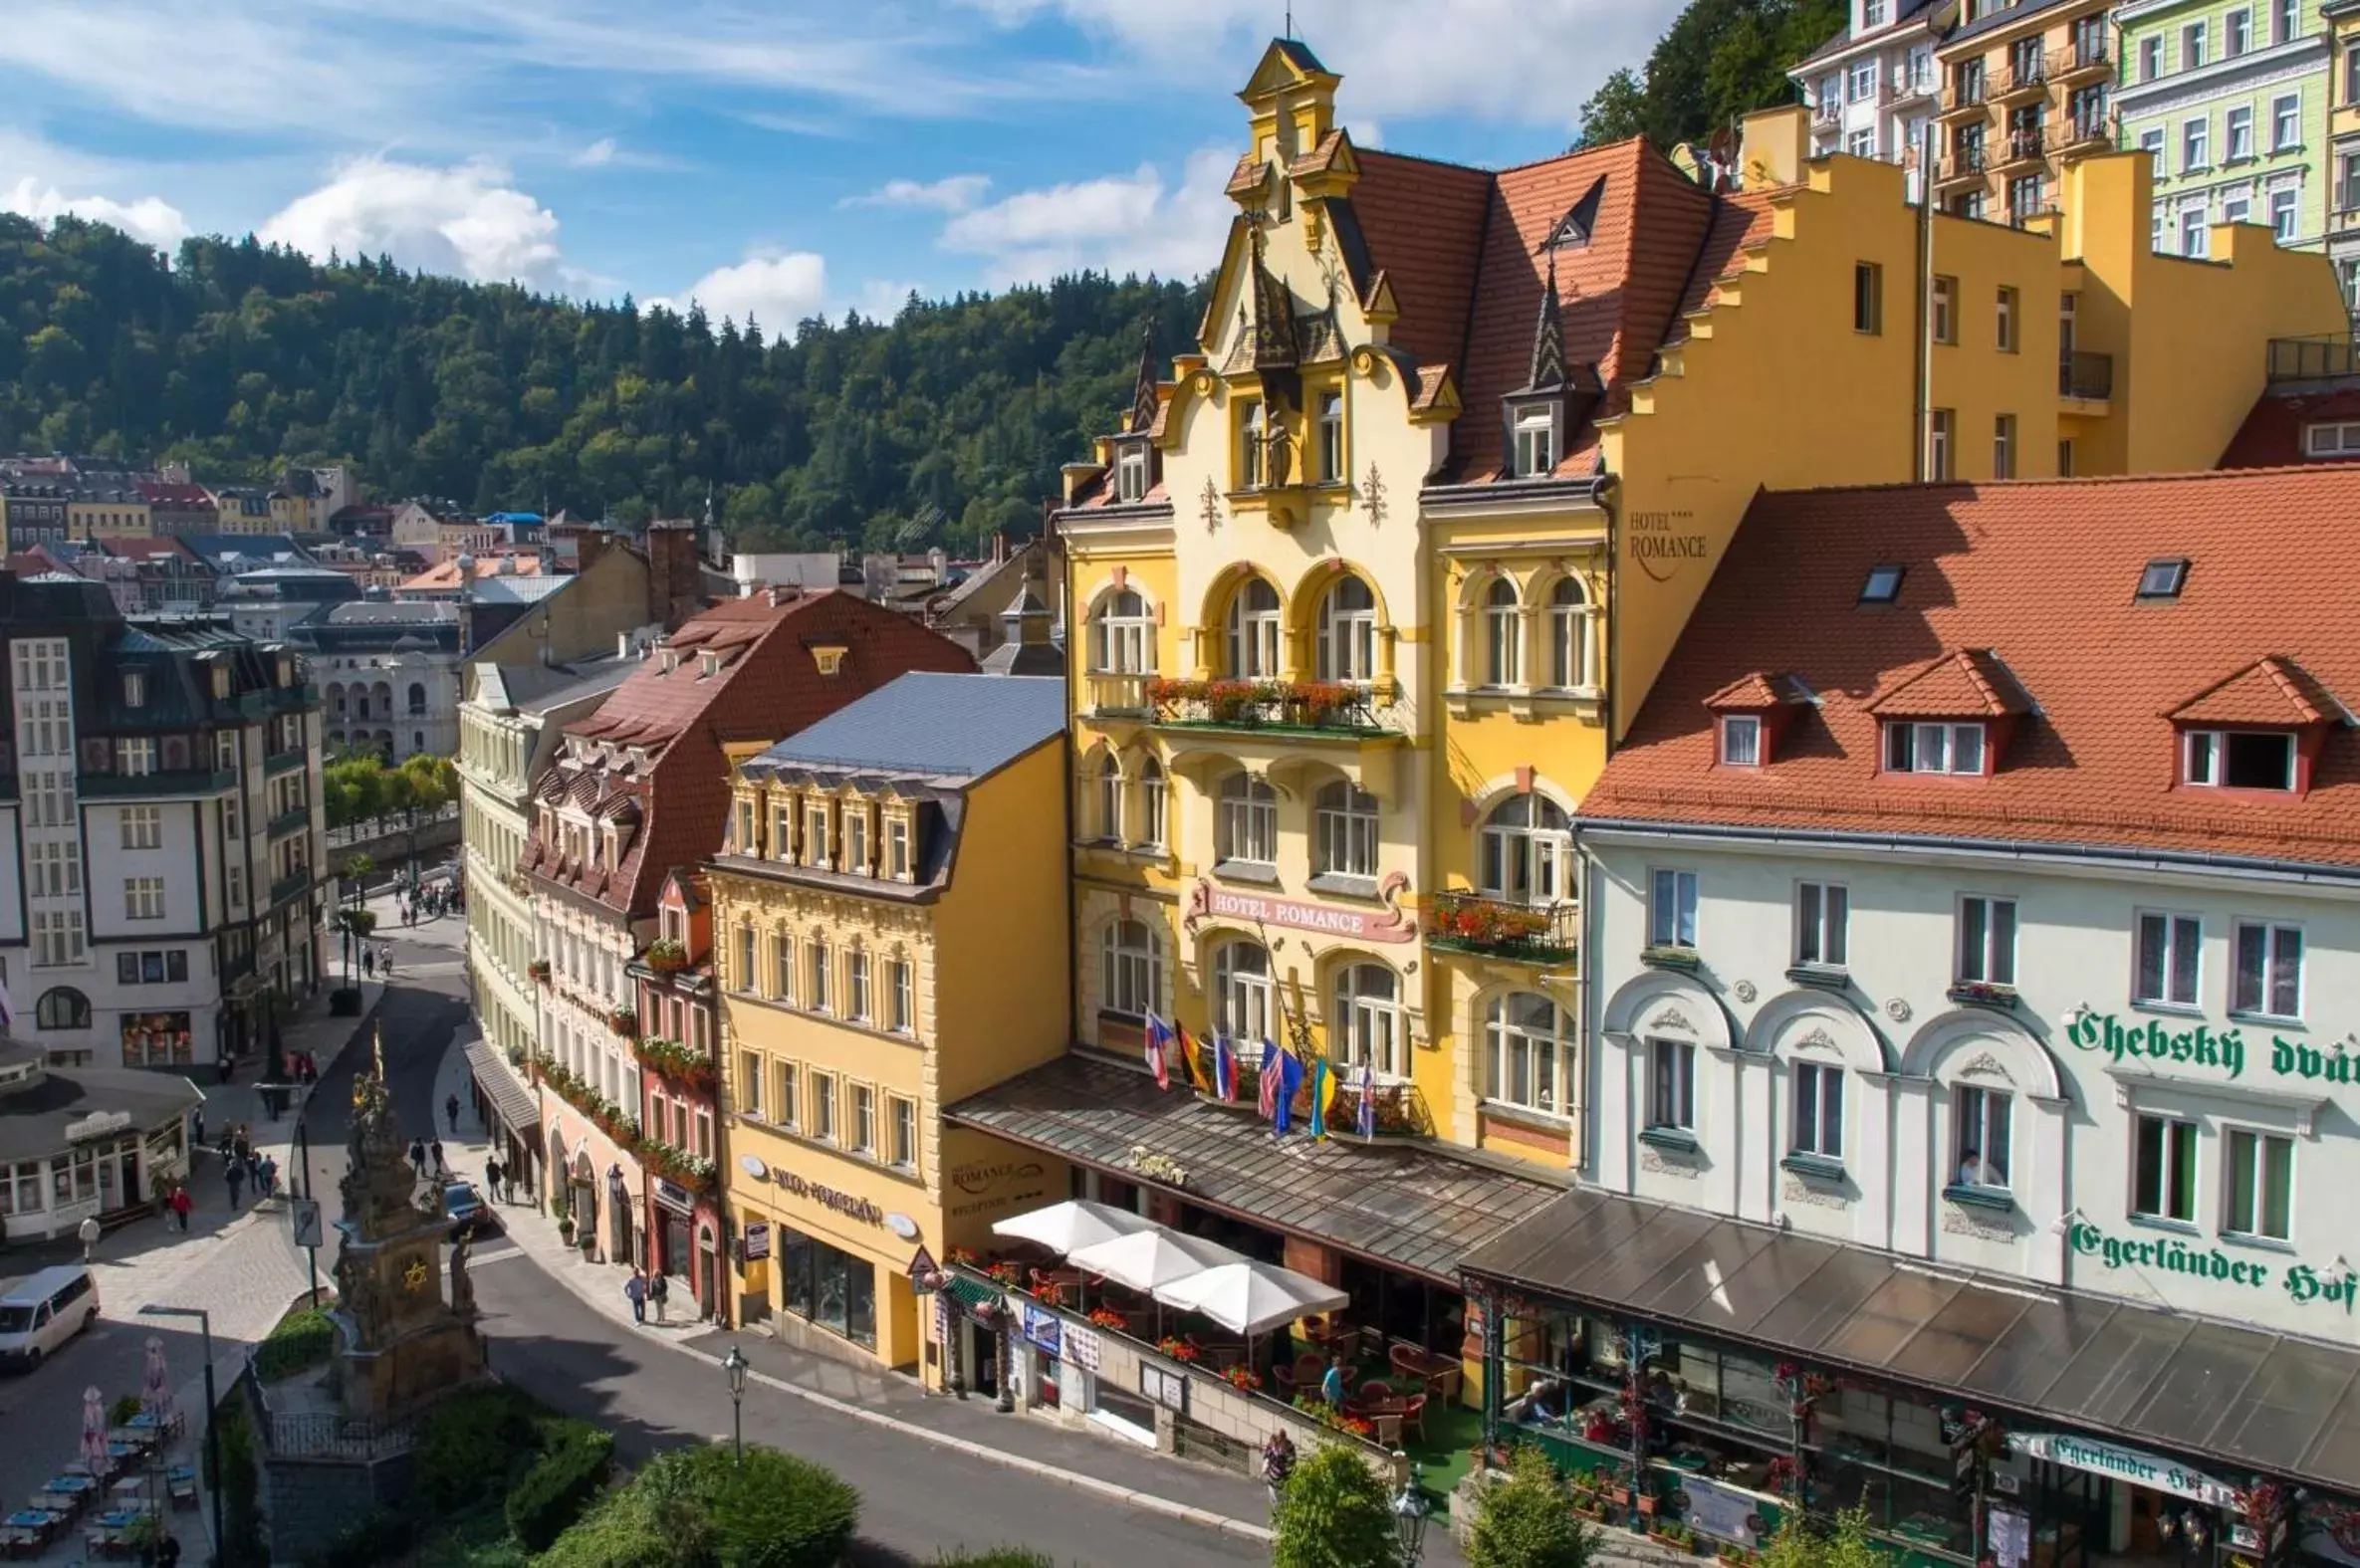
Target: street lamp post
(1409, 1516)
(212, 1437)
(735, 1364)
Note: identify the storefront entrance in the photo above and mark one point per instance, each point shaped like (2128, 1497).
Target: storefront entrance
(676, 1257)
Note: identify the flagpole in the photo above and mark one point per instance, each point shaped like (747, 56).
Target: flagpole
(1299, 1029)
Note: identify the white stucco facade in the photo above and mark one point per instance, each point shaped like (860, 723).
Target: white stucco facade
(1872, 92)
(2184, 1153)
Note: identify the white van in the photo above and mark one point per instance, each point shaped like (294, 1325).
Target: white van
(40, 1313)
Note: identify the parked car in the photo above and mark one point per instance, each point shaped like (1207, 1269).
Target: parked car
(469, 1214)
(41, 1313)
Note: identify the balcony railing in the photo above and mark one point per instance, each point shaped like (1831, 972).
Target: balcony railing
(1459, 922)
(1829, 113)
(2023, 147)
(1966, 162)
(2026, 74)
(1119, 695)
(1963, 94)
(291, 885)
(292, 820)
(284, 762)
(2312, 359)
(2077, 58)
(2086, 375)
(1295, 705)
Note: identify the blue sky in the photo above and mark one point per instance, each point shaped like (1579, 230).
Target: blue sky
(768, 158)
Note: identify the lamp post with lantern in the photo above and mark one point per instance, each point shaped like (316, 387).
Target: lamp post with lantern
(736, 1365)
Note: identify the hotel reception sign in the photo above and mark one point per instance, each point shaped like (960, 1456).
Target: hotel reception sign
(2143, 1470)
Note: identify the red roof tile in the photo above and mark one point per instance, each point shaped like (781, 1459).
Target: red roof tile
(769, 687)
(1972, 684)
(2267, 690)
(2271, 436)
(1424, 224)
(1757, 692)
(2046, 572)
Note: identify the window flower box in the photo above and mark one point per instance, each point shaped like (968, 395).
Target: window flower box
(539, 970)
(1672, 1533)
(1665, 955)
(1298, 705)
(624, 1021)
(667, 956)
(1466, 922)
(1244, 1379)
(1983, 993)
(668, 1058)
(1179, 1350)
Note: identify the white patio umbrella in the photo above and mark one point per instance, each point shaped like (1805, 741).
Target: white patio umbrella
(1251, 1297)
(94, 1433)
(1150, 1259)
(1073, 1225)
(155, 1388)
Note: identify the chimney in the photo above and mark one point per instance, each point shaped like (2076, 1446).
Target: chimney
(674, 583)
(587, 547)
(999, 546)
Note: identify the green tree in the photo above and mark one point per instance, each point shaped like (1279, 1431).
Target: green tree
(357, 870)
(1616, 111)
(1527, 1520)
(1334, 1513)
(1717, 62)
(1842, 1544)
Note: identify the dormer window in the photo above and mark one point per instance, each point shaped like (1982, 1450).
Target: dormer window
(135, 689)
(707, 664)
(2239, 758)
(1537, 441)
(1130, 472)
(1952, 748)
(2338, 439)
(1741, 740)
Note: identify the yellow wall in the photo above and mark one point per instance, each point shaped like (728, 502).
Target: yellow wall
(126, 518)
(991, 990)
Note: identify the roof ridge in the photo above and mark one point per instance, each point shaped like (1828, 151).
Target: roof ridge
(2169, 475)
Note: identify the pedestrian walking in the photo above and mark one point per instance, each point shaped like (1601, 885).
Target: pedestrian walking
(635, 1290)
(237, 1182)
(89, 1232)
(167, 1552)
(368, 963)
(385, 961)
(1277, 1463)
(239, 1144)
(196, 1128)
(417, 1157)
(492, 1177)
(181, 1203)
(660, 1290)
(269, 1176)
(450, 1108)
(435, 1148)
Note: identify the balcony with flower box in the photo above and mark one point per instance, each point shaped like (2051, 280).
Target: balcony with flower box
(1117, 694)
(676, 1062)
(1315, 709)
(1486, 927)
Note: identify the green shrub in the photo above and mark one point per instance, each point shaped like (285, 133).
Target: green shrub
(119, 1412)
(301, 1339)
(1334, 1513)
(379, 1538)
(775, 1510)
(240, 1479)
(1527, 1520)
(998, 1557)
(471, 1443)
(551, 1495)
(662, 1519)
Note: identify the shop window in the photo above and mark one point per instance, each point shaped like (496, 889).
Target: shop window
(1981, 1136)
(827, 1286)
(2162, 1170)
(2261, 1185)
(1525, 1048)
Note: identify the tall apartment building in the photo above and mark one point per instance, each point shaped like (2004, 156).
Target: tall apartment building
(1872, 86)
(2230, 102)
(164, 820)
(2024, 94)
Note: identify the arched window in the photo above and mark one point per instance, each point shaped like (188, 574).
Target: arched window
(1134, 968)
(62, 1007)
(417, 697)
(1570, 660)
(1249, 820)
(1366, 1024)
(1503, 636)
(1347, 823)
(1108, 804)
(1347, 632)
(1122, 637)
(1254, 631)
(1154, 803)
(1242, 991)
(1524, 1056)
(1525, 848)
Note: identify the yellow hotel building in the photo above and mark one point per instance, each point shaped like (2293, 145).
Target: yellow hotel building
(890, 930)
(1364, 586)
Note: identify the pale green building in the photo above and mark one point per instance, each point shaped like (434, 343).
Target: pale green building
(2231, 98)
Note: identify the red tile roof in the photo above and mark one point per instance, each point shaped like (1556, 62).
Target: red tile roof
(1970, 684)
(2272, 691)
(2271, 436)
(2045, 576)
(134, 549)
(1424, 224)
(1756, 692)
(769, 687)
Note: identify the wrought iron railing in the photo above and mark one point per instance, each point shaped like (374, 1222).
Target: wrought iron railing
(1255, 703)
(1462, 922)
(2084, 374)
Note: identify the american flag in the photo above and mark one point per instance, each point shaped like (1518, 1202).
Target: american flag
(1271, 1075)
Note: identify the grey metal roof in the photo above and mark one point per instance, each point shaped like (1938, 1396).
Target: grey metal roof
(1410, 1207)
(946, 726)
(497, 589)
(33, 1120)
(2248, 1397)
(518, 1106)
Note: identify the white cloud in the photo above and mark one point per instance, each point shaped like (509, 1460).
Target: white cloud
(952, 193)
(1118, 223)
(466, 219)
(1519, 61)
(596, 155)
(151, 218)
(775, 292)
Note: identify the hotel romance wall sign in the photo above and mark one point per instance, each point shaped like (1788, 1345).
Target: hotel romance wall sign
(2144, 1470)
(1386, 924)
(2172, 1255)
(2204, 1046)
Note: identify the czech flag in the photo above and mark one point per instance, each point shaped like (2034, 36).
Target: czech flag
(1159, 1040)
(1224, 1070)
(1271, 1076)
(1367, 1101)
(1322, 1075)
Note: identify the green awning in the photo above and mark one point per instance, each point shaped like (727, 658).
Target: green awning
(974, 1292)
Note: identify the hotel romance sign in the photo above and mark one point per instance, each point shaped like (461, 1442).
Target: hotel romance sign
(2203, 1046)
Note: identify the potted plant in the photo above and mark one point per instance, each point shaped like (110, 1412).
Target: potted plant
(539, 970)
(1107, 1317)
(1244, 1379)
(1673, 1533)
(1177, 1348)
(666, 957)
(624, 1021)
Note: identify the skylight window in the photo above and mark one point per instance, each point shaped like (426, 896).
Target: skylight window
(2163, 579)
(1883, 585)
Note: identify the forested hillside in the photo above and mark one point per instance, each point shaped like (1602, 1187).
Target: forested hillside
(1718, 61)
(942, 425)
